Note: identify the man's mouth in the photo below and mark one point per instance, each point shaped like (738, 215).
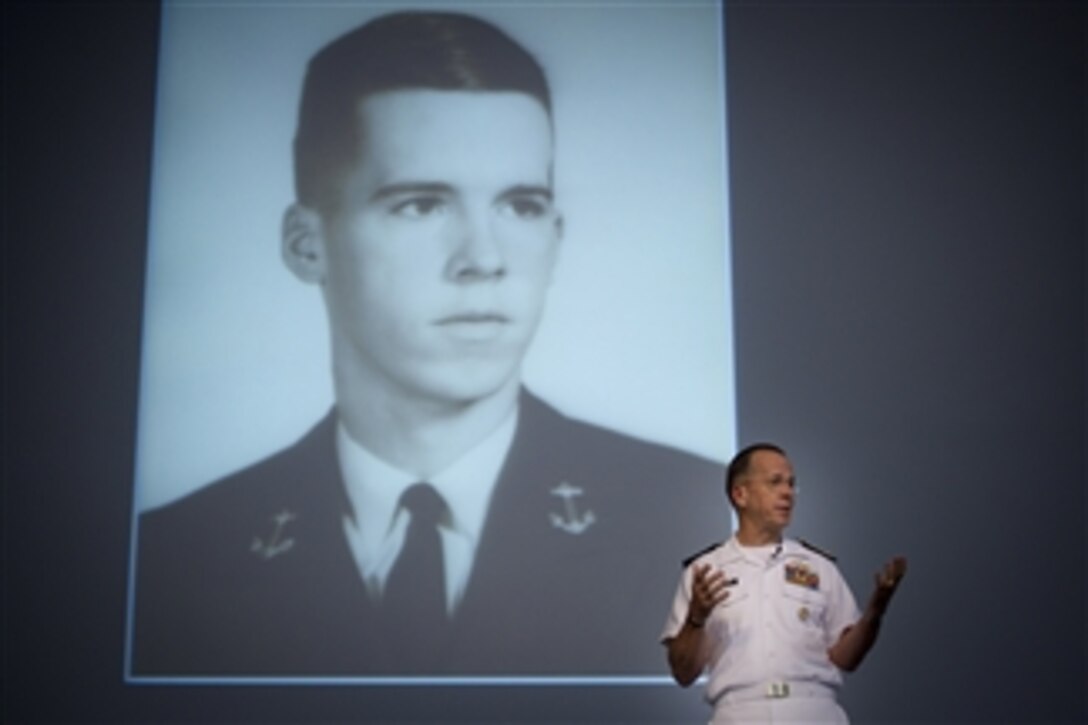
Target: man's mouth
(474, 318)
(474, 326)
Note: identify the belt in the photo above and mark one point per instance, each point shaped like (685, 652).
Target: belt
(775, 691)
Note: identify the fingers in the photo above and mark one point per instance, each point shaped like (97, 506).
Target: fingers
(709, 588)
(709, 578)
(716, 590)
(892, 572)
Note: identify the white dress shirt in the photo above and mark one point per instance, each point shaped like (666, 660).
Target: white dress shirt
(377, 531)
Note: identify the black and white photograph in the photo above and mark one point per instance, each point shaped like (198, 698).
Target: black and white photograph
(422, 265)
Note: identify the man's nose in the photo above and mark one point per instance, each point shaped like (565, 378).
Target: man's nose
(478, 250)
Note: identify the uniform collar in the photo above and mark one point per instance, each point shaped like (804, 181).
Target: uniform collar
(789, 548)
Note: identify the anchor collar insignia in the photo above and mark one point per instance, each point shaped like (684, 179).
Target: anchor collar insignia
(572, 518)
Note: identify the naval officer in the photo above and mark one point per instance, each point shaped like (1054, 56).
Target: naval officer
(770, 620)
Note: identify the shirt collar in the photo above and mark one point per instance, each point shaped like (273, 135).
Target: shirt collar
(374, 487)
(758, 555)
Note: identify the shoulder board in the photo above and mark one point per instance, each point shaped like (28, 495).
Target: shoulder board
(696, 555)
(817, 549)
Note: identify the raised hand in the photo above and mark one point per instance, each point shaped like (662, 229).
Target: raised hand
(709, 588)
(886, 582)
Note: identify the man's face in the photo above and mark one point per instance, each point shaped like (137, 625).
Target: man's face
(765, 495)
(441, 251)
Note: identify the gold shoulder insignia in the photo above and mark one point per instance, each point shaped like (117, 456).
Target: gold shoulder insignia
(817, 549)
(696, 555)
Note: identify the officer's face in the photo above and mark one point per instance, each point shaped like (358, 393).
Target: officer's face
(440, 254)
(766, 493)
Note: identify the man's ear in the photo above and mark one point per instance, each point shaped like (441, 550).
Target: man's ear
(303, 244)
(739, 498)
(557, 244)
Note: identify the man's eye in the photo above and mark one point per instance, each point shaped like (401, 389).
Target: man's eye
(419, 207)
(524, 208)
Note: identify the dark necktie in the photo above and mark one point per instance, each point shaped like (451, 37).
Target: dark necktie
(415, 591)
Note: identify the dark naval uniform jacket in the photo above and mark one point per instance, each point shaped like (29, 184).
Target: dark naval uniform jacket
(574, 570)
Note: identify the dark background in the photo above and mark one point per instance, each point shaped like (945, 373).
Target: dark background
(909, 256)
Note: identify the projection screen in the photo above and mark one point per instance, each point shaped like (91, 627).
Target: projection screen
(251, 559)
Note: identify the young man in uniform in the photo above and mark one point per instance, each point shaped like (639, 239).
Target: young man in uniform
(441, 519)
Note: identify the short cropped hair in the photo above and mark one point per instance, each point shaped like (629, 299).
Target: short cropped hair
(742, 461)
(404, 50)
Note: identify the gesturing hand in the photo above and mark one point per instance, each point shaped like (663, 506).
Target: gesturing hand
(887, 580)
(709, 588)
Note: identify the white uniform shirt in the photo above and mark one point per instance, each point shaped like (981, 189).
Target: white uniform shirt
(787, 607)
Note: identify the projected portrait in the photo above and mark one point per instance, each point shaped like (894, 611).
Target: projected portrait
(476, 418)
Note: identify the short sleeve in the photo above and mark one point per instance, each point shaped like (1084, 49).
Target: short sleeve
(674, 622)
(842, 608)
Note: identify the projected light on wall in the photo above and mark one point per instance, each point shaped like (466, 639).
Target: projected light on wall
(517, 293)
